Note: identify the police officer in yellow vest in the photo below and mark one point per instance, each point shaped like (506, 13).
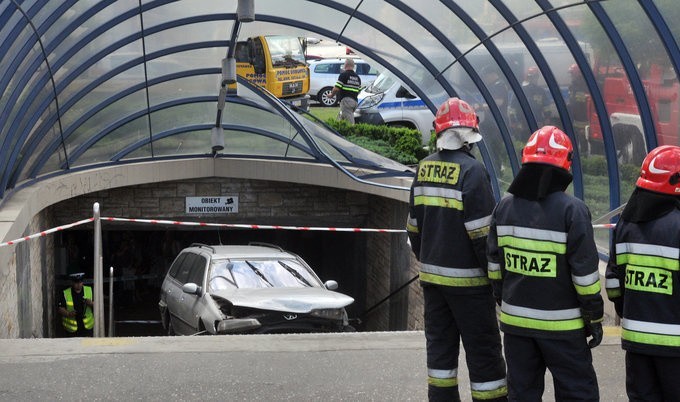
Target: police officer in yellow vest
(75, 307)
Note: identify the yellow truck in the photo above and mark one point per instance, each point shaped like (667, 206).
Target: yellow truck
(276, 63)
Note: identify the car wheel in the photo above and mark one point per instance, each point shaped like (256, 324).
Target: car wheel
(323, 98)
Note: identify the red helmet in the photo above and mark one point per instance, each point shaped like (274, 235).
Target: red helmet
(455, 113)
(660, 170)
(548, 145)
(532, 71)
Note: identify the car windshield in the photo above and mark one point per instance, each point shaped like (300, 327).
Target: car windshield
(260, 274)
(285, 51)
(381, 84)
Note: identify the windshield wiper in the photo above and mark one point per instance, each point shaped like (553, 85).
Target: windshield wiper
(296, 274)
(259, 273)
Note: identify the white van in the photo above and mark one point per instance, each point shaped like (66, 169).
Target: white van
(388, 101)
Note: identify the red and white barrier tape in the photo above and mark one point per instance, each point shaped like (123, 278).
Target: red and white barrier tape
(247, 226)
(225, 225)
(46, 232)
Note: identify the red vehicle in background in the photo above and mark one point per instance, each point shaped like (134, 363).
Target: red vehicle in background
(662, 89)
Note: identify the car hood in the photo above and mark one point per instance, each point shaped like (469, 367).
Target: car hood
(294, 300)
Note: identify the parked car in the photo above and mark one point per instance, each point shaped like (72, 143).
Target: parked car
(389, 101)
(323, 74)
(255, 288)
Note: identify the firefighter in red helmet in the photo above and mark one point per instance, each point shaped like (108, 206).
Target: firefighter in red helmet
(450, 207)
(643, 278)
(543, 264)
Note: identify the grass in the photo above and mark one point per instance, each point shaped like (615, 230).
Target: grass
(324, 113)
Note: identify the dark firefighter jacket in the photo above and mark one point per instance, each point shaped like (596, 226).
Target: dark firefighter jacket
(643, 280)
(450, 208)
(542, 256)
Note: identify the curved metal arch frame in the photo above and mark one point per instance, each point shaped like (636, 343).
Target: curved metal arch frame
(413, 51)
(507, 72)
(596, 96)
(629, 66)
(550, 81)
(472, 73)
(665, 34)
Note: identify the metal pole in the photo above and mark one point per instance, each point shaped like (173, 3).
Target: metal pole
(98, 293)
(111, 321)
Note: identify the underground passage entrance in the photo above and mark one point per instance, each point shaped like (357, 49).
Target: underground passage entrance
(140, 259)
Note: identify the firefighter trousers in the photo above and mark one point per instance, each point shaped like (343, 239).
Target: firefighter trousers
(652, 378)
(569, 360)
(450, 318)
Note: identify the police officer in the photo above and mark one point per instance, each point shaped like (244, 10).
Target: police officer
(643, 279)
(348, 87)
(75, 307)
(543, 264)
(449, 212)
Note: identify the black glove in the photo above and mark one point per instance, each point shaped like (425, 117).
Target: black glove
(618, 306)
(594, 329)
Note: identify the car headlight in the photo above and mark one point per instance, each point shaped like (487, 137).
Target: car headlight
(329, 313)
(370, 101)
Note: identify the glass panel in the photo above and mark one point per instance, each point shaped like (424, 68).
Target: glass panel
(192, 33)
(183, 115)
(46, 138)
(661, 87)
(103, 119)
(189, 143)
(133, 132)
(187, 87)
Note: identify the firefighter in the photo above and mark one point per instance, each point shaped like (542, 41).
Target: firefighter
(450, 207)
(578, 107)
(543, 264)
(643, 279)
(538, 99)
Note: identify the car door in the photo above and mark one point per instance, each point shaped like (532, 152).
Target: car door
(191, 306)
(170, 291)
(176, 298)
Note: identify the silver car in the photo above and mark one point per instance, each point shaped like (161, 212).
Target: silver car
(258, 288)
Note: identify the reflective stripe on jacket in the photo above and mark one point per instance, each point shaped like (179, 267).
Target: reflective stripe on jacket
(71, 324)
(644, 274)
(449, 213)
(542, 255)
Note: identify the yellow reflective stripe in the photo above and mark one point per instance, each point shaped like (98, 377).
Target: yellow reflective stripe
(449, 281)
(588, 290)
(495, 275)
(648, 261)
(613, 293)
(347, 88)
(534, 245)
(438, 202)
(531, 323)
(650, 339)
(477, 233)
(493, 394)
(411, 228)
(443, 382)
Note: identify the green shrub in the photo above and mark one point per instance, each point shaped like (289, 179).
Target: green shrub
(399, 144)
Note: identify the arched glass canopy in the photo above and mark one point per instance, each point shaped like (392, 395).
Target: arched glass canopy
(90, 83)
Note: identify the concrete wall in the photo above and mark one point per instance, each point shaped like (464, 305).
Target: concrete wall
(307, 192)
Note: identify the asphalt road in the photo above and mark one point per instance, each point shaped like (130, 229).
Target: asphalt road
(378, 366)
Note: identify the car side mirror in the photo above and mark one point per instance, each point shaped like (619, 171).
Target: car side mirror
(191, 288)
(331, 285)
(404, 93)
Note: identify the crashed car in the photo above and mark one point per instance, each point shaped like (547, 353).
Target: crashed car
(255, 288)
